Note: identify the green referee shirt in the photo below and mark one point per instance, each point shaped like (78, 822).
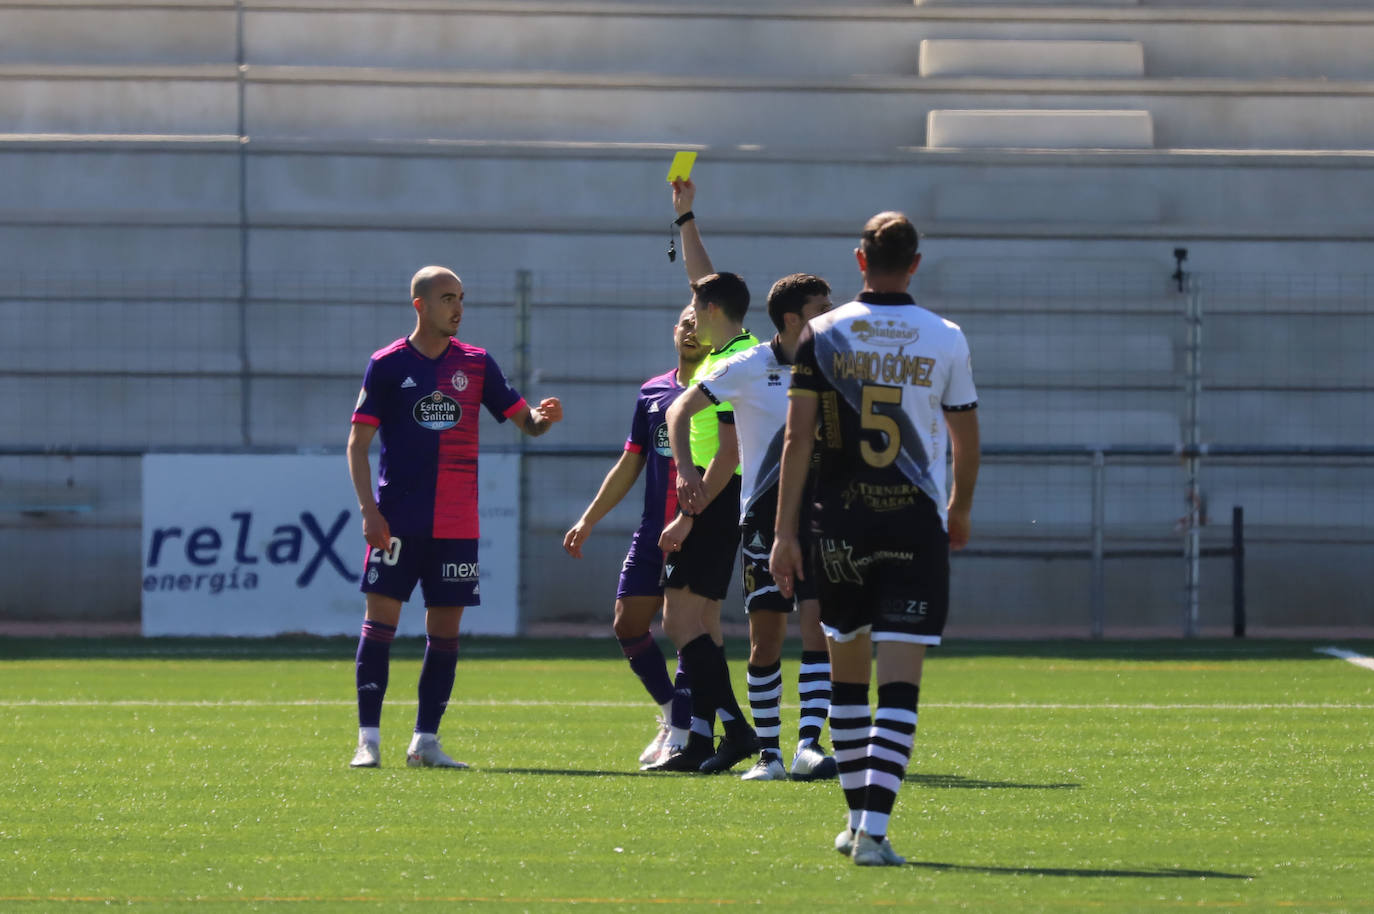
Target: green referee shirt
(705, 434)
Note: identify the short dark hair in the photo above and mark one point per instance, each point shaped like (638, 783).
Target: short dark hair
(727, 291)
(791, 293)
(425, 277)
(889, 243)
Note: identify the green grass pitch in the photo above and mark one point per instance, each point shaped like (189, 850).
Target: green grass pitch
(212, 776)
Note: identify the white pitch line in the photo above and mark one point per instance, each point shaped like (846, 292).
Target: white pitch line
(1348, 656)
(518, 703)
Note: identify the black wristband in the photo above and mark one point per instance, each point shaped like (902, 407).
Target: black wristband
(684, 218)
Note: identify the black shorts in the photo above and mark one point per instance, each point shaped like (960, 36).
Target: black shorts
(756, 542)
(707, 558)
(884, 573)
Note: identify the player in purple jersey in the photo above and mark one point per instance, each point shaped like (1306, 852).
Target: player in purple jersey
(640, 593)
(422, 394)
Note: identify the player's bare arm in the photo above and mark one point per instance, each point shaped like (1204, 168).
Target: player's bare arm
(694, 256)
(799, 439)
(963, 442)
(537, 421)
(617, 484)
(691, 494)
(717, 477)
(375, 528)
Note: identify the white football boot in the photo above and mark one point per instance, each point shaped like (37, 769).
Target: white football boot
(868, 852)
(654, 750)
(810, 764)
(425, 752)
(767, 768)
(369, 755)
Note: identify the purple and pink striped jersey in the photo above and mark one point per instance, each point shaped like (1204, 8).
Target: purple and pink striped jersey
(426, 414)
(649, 436)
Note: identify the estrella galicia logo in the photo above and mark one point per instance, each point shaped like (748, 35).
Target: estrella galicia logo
(661, 444)
(438, 412)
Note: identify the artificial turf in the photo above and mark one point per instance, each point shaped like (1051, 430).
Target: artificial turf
(211, 775)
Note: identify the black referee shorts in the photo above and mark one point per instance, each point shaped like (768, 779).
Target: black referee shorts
(707, 558)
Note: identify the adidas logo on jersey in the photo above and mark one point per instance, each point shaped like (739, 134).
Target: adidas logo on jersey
(757, 541)
(653, 407)
(408, 382)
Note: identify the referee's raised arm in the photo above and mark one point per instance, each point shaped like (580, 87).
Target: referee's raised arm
(694, 256)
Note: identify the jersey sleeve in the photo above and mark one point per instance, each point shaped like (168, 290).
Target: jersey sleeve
(807, 380)
(724, 383)
(638, 442)
(368, 410)
(960, 393)
(500, 399)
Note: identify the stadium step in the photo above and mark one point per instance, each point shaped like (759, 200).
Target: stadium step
(1040, 129)
(332, 104)
(1028, 57)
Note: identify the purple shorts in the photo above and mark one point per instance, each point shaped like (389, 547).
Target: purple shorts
(642, 573)
(446, 570)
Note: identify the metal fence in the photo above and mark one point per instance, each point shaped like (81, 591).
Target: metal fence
(1123, 417)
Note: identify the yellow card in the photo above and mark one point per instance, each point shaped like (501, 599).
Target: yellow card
(681, 169)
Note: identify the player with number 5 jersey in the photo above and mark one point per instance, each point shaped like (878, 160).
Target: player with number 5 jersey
(880, 387)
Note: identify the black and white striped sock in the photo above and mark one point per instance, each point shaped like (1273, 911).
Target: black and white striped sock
(889, 751)
(765, 701)
(849, 726)
(813, 693)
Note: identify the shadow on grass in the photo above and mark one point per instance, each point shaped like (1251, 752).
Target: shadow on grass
(958, 782)
(577, 772)
(1161, 873)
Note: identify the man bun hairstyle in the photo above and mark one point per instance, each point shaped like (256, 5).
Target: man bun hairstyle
(791, 293)
(727, 291)
(889, 243)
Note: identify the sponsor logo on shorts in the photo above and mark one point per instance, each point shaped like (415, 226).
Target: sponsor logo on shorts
(451, 572)
(837, 558)
(438, 412)
(880, 498)
(883, 555)
(372, 575)
(908, 610)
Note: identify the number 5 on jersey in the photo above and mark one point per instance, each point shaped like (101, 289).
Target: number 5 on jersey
(872, 420)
